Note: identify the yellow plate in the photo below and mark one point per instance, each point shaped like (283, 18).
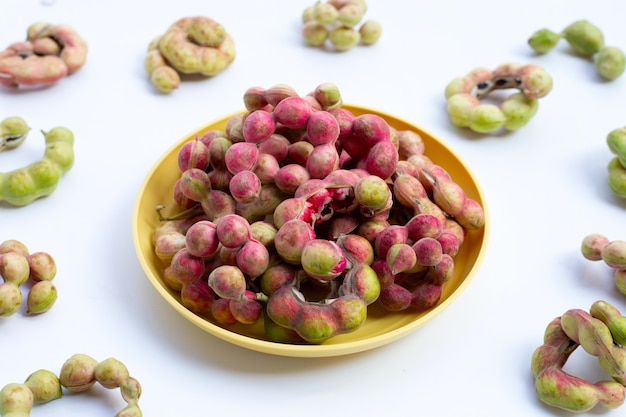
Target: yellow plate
(381, 326)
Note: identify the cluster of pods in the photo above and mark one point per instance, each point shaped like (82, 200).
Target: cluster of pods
(78, 374)
(191, 45)
(49, 53)
(304, 213)
(616, 141)
(340, 24)
(18, 266)
(601, 332)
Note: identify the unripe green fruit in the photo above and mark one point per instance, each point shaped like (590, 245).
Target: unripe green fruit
(45, 386)
(518, 110)
(617, 178)
(344, 37)
(486, 118)
(610, 62)
(616, 141)
(584, 37)
(543, 40)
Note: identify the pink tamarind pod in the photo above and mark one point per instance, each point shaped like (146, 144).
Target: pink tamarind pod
(266, 169)
(241, 156)
(381, 159)
(258, 125)
(73, 46)
(345, 120)
(219, 179)
(426, 295)
(357, 249)
(220, 310)
(401, 257)
(193, 154)
(187, 268)
(233, 230)
(472, 216)
(370, 129)
(201, 239)
(323, 160)
(445, 192)
(216, 149)
(253, 258)
(276, 145)
(291, 238)
(383, 272)
(246, 310)
(560, 389)
(197, 296)
(389, 237)
(234, 128)
(254, 98)
(227, 281)
(289, 177)
(370, 228)
(211, 134)
(423, 225)
(394, 297)
(404, 167)
(442, 272)
(292, 112)
(285, 305)
(409, 143)
(277, 93)
(299, 152)
(245, 186)
(31, 70)
(322, 128)
(449, 243)
(592, 245)
(428, 251)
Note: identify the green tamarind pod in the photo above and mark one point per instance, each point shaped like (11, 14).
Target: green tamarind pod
(616, 140)
(543, 40)
(617, 177)
(518, 110)
(45, 386)
(13, 131)
(486, 118)
(10, 299)
(584, 37)
(16, 399)
(344, 37)
(40, 178)
(596, 339)
(613, 319)
(620, 280)
(614, 254)
(460, 107)
(41, 297)
(610, 62)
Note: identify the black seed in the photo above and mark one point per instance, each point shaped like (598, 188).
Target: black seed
(501, 81)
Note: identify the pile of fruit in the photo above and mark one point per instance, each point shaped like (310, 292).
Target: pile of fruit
(304, 214)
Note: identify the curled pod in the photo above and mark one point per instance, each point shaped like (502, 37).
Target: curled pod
(40, 178)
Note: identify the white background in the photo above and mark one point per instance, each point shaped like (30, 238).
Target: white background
(545, 184)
